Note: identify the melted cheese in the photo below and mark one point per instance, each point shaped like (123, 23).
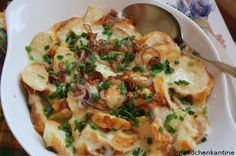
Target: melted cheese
(35, 76)
(106, 71)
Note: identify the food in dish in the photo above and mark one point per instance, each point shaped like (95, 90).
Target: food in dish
(96, 86)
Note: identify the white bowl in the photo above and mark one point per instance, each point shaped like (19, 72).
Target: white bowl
(25, 18)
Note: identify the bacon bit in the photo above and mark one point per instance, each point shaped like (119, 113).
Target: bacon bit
(146, 107)
(129, 83)
(159, 99)
(62, 76)
(51, 79)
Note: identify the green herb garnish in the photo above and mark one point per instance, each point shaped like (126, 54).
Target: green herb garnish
(104, 85)
(182, 82)
(60, 57)
(205, 110)
(46, 47)
(93, 126)
(117, 43)
(123, 88)
(68, 133)
(28, 49)
(80, 125)
(149, 141)
(47, 111)
(147, 97)
(119, 69)
(107, 31)
(168, 68)
(138, 68)
(95, 96)
(47, 59)
(176, 62)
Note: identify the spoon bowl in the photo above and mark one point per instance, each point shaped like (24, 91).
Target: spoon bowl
(148, 18)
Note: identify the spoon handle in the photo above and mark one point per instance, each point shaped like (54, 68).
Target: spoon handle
(221, 66)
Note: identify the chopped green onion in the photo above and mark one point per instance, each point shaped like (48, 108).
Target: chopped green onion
(149, 141)
(47, 111)
(60, 57)
(28, 49)
(182, 82)
(104, 85)
(95, 96)
(123, 88)
(93, 126)
(46, 47)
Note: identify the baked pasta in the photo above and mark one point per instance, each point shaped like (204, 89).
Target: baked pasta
(97, 87)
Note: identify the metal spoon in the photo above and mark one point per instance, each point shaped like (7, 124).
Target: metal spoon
(148, 18)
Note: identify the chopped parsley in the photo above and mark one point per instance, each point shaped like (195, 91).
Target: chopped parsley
(61, 91)
(157, 68)
(80, 125)
(127, 41)
(189, 110)
(119, 69)
(129, 112)
(46, 47)
(47, 111)
(182, 82)
(185, 100)
(85, 35)
(107, 31)
(147, 97)
(82, 81)
(171, 129)
(60, 57)
(111, 56)
(51, 72)
(168, 68)
(104, 85)
(181, 118)
(113, 129)
(68, 134)
(123, 88)
(204, 139)
(205, 110)
(72, 38)
(196, 53)
(93, 126)
(138, 68)
(149, 141)
(135, 95)
(161, 129)
(31, 58)
(28, 49)
(88, 116)
(128, 58)
(168, 120)
(114, 112)
(69, 66)
(191, 63)
(47, 59)
(95, 96)
(139, 152)
(117, 43)
(41, 76)
(176, 62)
